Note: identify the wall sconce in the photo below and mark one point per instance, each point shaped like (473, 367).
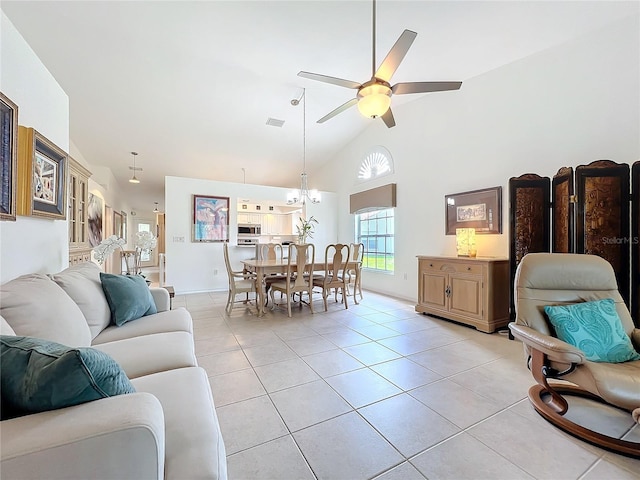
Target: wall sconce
(466, 242)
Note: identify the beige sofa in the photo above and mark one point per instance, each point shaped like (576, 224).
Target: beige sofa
(167, 429)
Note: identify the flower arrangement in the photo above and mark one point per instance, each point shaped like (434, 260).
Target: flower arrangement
(107, 247)
(145, 241)
(306, 229)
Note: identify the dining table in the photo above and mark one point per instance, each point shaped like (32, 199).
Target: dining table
(262, 268)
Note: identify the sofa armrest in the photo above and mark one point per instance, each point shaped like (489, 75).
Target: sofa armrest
(556, 350)
(116, 437)
(161, 297)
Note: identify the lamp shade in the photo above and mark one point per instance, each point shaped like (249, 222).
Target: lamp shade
(374, 100)
(466, 242)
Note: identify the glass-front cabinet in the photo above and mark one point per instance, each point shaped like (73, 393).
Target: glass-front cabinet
(79, 247)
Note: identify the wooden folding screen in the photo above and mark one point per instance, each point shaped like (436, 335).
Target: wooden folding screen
(595, 220)
(528, 220)
(602, 217)
(635, 242)
(562, 214)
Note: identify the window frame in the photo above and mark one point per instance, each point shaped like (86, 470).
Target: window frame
(388, 249)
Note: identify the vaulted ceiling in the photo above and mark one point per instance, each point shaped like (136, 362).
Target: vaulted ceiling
(190, 85)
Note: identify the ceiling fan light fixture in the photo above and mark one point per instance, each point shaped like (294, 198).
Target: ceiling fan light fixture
(374, 100)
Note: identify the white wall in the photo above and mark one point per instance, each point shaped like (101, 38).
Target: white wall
(562, 107)
(191, 266)
(31, 244)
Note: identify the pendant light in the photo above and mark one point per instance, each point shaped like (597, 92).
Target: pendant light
(134, 179)
(155, 210)
(301, 196)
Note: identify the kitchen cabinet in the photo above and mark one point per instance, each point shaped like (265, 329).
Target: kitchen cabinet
(473, 291)
(79, 247)
(253, 218)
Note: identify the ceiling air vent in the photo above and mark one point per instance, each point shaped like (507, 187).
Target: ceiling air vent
(274, 122)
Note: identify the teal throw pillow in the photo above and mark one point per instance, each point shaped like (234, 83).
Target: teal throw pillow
(595, 328)
(39, 375)
(128, 297)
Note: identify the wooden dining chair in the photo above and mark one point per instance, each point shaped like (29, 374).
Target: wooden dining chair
(298, 275)
(271, 251)
(354, 274)
(239, 282)
(336, 257)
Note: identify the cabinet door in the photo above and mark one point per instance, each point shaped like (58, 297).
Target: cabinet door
(466, 295)
(432, 290)
(243, 218)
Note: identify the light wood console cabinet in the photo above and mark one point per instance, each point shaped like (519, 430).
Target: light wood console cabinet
(474, 291)
(79, 247)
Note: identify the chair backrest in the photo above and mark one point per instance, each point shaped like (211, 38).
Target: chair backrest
(336, 257)
(301, 260)
(560, 279)
(270, 251)
(357, 251)
(227, 263)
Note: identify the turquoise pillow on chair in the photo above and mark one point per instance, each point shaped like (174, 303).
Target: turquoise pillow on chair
(595, 328)
(39, 375)
(128, 296)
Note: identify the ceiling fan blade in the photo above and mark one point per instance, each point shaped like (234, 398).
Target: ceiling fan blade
(333, 80)
(424, 87)
(338, 110)
(388, 119)
(396, 54)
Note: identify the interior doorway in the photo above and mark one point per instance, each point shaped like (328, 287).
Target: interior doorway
(147, 259)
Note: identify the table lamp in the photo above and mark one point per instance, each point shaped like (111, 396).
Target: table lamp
(466, 242)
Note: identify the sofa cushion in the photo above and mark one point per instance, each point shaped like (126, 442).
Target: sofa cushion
(82, 284)
(5, 328)
(39, 375)
(128, 296)
(177, 320)
(35, 306)
(196, 451)
(595, 328)
(148, 354)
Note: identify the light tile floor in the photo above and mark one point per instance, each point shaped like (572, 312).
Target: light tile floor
(379, 391)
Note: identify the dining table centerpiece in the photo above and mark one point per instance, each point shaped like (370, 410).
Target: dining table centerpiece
(305, 229)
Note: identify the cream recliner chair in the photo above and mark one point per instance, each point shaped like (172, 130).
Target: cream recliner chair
(561, 279)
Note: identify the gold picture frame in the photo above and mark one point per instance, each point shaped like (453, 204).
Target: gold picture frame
(42, 176)
(9, 156)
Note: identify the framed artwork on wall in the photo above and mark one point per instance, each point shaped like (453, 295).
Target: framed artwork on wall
(479, 209)
(9, 156)
(42, 176)
(94, 218)
(117, 224)
(124, 225)
(210, 219)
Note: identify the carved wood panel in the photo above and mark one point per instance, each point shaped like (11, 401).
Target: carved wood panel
(562, 213)
(602, 226)
(529, 220)
(635, 243)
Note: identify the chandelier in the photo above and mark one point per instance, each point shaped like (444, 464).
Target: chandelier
(301, 196)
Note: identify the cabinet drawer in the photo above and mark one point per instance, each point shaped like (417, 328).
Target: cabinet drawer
(450, 267)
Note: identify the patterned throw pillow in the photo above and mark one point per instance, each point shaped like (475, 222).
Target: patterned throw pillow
(595, 328)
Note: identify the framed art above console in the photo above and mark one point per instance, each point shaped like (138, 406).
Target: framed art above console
(42, 176)
(478, 209)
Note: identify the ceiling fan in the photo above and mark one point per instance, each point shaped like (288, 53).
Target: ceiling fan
(374, 96)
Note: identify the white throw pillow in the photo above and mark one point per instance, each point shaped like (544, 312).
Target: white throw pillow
(35, 306)
(82, 284)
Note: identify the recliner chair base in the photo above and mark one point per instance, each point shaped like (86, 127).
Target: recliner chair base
(537, 394)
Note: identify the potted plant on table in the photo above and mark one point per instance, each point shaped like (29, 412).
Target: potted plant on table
(306, 229)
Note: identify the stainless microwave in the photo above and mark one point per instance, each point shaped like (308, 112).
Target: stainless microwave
(249, 230)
